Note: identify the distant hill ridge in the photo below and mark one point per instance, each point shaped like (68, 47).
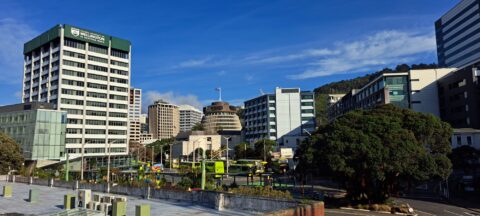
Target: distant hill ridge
(344, 86)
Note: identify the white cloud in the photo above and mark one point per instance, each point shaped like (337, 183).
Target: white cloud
(380, 49)
(248, 77)
(194, 63)
(150, 97)
(221, 73)
(12, 36)
(290, 57)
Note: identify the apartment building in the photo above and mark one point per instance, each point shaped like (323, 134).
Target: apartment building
(86, 74)
(189, 117)
(221, 116)
(458, 35)
(415, 89)
(134, 114)
(163, 120)
(285, 116)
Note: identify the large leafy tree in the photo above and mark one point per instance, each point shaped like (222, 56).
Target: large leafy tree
(369, 151)
(264, 148)
(243, 151)
(158, 147)
(10, 154)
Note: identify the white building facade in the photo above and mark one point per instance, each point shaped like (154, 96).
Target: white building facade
(286, 116)
(424, 89)
(134, 114)
(86, 74)
(189, 117)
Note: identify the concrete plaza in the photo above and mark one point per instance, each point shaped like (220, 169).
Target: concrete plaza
(51, 200)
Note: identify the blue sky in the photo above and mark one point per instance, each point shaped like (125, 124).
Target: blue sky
(183, 50)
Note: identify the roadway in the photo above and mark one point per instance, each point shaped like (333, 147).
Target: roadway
(421, 208)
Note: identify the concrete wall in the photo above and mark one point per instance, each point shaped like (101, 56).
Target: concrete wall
(210, 199)
(424, 89)
(313, 209)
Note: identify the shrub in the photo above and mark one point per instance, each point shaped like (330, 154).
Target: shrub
(262, 192)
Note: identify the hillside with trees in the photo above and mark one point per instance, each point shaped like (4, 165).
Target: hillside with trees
(344, 86)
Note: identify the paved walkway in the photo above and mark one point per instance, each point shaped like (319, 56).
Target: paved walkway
(51, 200)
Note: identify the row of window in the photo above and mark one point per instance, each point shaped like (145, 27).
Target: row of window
(96, 122)
(95, 48)
(93, 67)
(93, 103)
(93, 85)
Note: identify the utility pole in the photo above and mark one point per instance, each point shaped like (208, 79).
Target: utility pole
(161, 154)
(204, 175)
(153, 149)
(108, 164)
(228, 164)
(67, 166)
(83, 161)
(264, 153)
(171, 158)
(245, 152)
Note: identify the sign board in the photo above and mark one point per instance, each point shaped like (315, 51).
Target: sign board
(286, 153)
(85, 35)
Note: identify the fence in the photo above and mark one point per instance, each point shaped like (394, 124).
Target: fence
(210, 199)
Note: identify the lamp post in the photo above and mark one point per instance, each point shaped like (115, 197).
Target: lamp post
(171, 155)
(228, 149)
(82, 162)
(108, 164)
(307, 132)
(264, 153)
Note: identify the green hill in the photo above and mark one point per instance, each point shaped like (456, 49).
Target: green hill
(344, 86)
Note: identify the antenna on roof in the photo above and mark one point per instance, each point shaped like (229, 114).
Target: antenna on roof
(261, 92)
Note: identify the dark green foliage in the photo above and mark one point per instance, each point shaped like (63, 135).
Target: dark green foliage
(244, 151)
(198, 127)
(159, 146)
(344, 86)
(370, 151)
(465, 158)
(11, 157)
(259, 150)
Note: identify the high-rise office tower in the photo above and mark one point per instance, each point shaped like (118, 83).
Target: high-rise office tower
(189, 117)
(458, 35)
(163, 120)
(134, 114)
(86, 74)
(285, 116)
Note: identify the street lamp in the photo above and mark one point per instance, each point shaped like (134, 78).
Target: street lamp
(82, 162)
(307, 132)
(108, 163)
(228, 149)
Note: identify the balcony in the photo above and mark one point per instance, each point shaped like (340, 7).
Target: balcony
(45, 63)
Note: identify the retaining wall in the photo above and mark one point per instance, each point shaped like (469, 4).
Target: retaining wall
(210, 199)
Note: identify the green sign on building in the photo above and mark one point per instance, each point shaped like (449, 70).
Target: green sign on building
(85, 35)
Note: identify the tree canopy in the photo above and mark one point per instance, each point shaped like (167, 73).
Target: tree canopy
(262, 153)
(369, 151)
(10, 154)
(243, 151)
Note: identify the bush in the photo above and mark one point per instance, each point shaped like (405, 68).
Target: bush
(185, 183)
(262, 192)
